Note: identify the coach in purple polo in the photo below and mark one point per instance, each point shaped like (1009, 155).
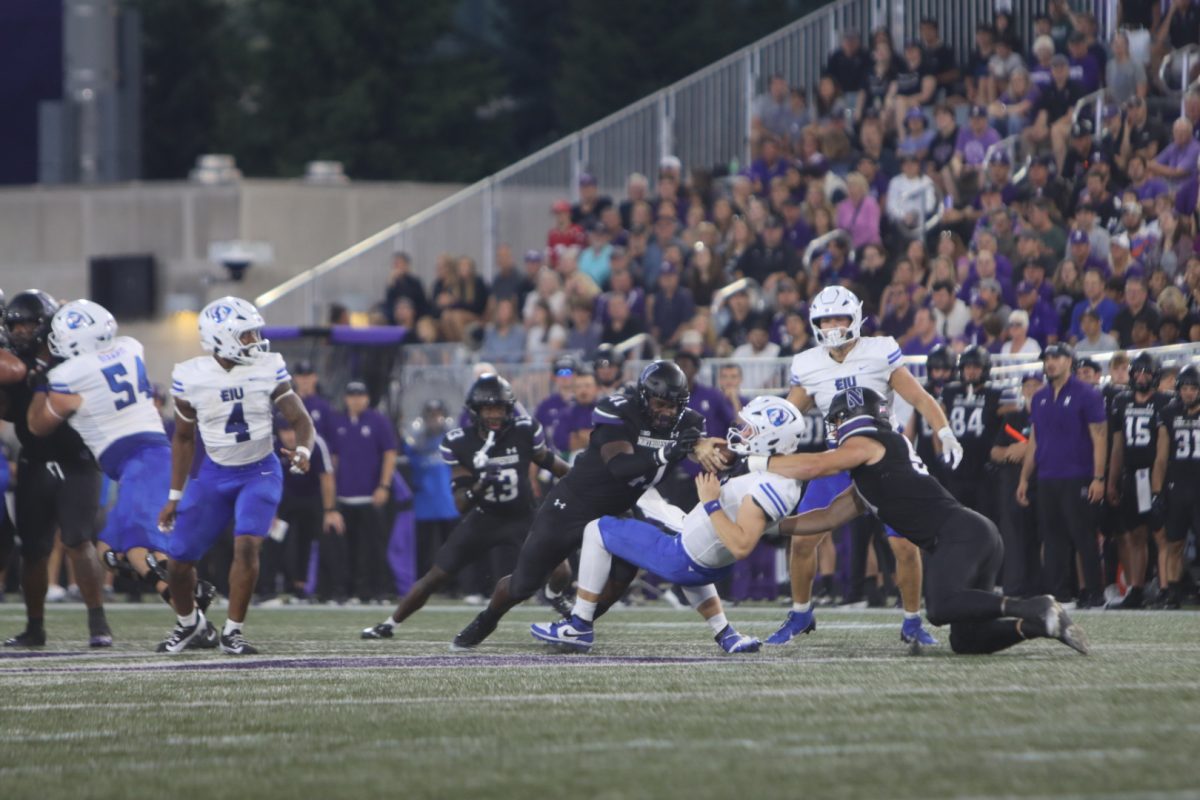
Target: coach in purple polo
(364, 447)
(552, 411)
(1067, 447)
(304, 378)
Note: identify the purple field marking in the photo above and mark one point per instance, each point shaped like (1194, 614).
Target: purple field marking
(380, 662)
(42, 654)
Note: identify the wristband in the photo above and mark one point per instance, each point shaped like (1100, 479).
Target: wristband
(302, 450)
(331, 510)
(383, 486)
(175, 495)
(1097, 477)
(712, 506)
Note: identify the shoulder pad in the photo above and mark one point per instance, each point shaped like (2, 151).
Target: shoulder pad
(692, 418)
(455, 434)
(615, 409)
(523, 422)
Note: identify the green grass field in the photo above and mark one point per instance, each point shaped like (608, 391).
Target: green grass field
(654, 710)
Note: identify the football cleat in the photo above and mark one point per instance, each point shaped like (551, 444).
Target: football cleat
(914, 633)
(473, 635)
(1135, 598)
(235, 644)
(380, 631)
(209, 638)
(183, 635)
(1060, 626)
(205, 592)
(733, 642)
(561, 604)
(26, 638)
(100, 640)
(571, 632)
(797, 622)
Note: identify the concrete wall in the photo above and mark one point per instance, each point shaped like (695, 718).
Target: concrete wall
(47, 233)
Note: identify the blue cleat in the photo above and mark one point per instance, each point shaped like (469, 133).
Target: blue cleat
(797, 622)
(913, 633)
(572, 632)
(733, 642)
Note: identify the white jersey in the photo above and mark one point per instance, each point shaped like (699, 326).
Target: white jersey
(117, 399)
(869, 364)
(233, 407)
(775, 495)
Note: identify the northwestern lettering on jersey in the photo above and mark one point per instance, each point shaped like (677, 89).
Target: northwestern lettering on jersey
(652, 442)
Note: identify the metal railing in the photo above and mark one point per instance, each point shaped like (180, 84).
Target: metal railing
(703, 119)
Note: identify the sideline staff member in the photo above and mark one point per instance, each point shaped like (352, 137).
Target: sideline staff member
(1067, 445)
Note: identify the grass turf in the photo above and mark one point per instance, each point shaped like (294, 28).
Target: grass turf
(654, 710)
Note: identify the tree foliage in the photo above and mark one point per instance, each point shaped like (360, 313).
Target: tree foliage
(406, 90)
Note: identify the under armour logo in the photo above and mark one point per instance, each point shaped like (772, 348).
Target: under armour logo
(559, 503)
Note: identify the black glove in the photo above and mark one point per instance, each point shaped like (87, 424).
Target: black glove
(1157, 516)
(35, 375)
(685, 442)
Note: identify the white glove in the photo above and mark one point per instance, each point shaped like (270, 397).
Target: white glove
(952, 451)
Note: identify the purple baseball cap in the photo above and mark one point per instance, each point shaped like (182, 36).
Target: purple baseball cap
(1078, 237)
(587, 179)
(533, 256)
(978, 112)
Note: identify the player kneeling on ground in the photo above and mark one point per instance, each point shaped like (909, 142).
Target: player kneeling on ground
(721, 529)
(964, 548)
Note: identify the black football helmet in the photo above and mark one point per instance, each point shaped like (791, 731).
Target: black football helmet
(939, 358)
(855, 408)
(976, 356)
(1144, 372)
(1189, 376)
(491, 390)
(662, 380)
(31, 306)
(606, 358)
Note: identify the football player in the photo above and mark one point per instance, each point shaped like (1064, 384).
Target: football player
(846, 359)
(634, 443)
(1182, 419)
(490, 461)
(101, 389)
(973, 410)
(230, 395)
(724, 527)
(963, 548)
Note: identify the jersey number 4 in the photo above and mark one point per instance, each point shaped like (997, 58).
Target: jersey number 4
(116, 374)
(236, 424)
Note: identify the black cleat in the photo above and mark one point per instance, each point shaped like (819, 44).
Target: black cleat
(205, 594)
(562, 605)
(183, 635)
(235, 644)
(1135, 598)
(380, 631)
(27, 638)
(473, 635)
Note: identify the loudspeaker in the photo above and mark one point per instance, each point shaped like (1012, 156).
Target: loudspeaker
(125, 285)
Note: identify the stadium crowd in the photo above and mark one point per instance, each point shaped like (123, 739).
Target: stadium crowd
(975, 208)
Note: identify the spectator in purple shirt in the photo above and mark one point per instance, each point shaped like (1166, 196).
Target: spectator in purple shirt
(669, 307)
(1043, 319)
(1143, 184)
(1085, 70)
(304, 380)
(364, 449)
(1177, 162)
(769, 165)
(974, 141)
(1080, 251)
(924, 334)
(859, 213)
(551, 412)
(576, 424)
(1094, 299)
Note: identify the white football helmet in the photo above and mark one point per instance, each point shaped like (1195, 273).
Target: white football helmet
(80, 327)
(835, 301)
(224, 324)
(766, 426)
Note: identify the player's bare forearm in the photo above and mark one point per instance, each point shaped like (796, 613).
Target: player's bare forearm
(740, 537)
(798, 397)
(292, 408)
(915, 395)
(328, 491)
(12, 369)
(388, 469)
(41, 417)
(1030, 451)
(807, 466)
(183, 450)
(844, 508)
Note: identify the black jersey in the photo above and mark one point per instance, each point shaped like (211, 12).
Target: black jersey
(590, 482)
(924, 446)
(1184, 465)
(512, 451)
(63, 445)
(974, 417)
(1138, 422)
(900, 491)
(812, 438)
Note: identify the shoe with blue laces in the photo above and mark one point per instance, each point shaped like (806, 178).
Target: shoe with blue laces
(571, 632)
(913, 633)
(733, 642)
(797, 622)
